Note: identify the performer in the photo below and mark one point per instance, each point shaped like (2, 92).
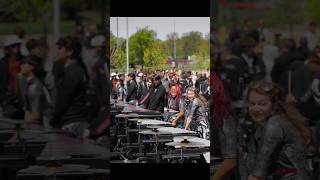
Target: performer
(132, 88)
(157, 95)
(120, 90)
(275, 145)
(195, 113)
(142, 86)
(224, 123)
(69, 110)
(174, 97)
(37, 98)
(175, 102)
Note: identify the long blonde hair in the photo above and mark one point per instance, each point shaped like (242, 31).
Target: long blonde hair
(290, 112)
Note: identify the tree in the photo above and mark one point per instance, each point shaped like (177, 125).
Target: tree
(119, 59)
(154, 56)
(117, 51)
(288, 12)
(191, 42)
(27, 10)
(168, 45)
(313, 7)
(202, 56)
(139, 42)
(33, 10)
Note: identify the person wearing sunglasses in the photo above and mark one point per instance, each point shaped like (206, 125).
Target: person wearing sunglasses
(275, 146)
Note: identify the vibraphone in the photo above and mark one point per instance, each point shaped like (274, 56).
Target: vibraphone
(29, 151)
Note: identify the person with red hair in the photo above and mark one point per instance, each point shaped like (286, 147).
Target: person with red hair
(175, 103)
(174, 96)
(226, 127)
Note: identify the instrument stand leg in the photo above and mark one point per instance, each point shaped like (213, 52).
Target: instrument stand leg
(181, 155)
(117, 145)
(139, 140)
(127, 130)
(157, 155)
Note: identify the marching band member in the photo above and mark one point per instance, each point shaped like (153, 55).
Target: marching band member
(276, 144)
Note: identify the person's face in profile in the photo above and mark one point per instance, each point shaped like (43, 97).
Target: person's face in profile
(63, 53)
(129, 78)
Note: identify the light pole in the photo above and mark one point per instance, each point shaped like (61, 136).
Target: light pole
(127, 46)
(56, 19)
(117, 43)
(174, 43)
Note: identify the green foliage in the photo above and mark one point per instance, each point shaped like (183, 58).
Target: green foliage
(154, 55)
(118, 52)
(113, 41)
(202, 56)
(34, 10)
(139, 42)
(288, 12)
(168, 45)
(119, 58)
(313, 7)
(27, 10)
(146, 51)
(191, 42)
(35, 27)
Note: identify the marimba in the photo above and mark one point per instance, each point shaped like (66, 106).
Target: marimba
(122, 127)
(33, 144)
